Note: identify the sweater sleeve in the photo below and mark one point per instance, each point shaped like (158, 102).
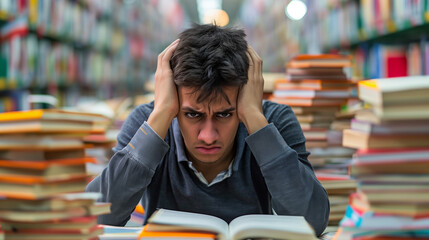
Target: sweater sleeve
(279, 149)
(128, 174)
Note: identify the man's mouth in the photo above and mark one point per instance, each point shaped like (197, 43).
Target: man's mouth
(208, 150)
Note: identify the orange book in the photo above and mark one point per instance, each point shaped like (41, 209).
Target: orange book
(51, 120)
(314, 84)
(51, 114)
(32, 171)
(39, 187)
(32, 180)
(40, 141)
(69, 223)
(361, 140)
(176, 234)
(45, 234)
(43, 165)
(139, 209)
(320, 60)
(46, 126)
(43, 155)
(308, 101)
(405, 167)
(321, 56)
(57, 203)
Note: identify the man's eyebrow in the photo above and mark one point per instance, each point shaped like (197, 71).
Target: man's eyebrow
(231, 109)
(189, 109)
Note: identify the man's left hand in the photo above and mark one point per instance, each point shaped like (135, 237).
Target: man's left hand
(250, 96)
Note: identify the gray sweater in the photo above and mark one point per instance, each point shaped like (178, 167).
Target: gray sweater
(270, 172)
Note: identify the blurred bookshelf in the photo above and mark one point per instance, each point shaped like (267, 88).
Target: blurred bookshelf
(381, 35)
(80, 49)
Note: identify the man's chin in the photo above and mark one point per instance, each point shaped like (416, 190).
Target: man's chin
(208, 160)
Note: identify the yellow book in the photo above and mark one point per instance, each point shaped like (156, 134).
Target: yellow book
(399, 90)
(51, 114)
(52, 120)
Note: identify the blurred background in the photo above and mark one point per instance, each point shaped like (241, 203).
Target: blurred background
(100, 56)
(64, 53)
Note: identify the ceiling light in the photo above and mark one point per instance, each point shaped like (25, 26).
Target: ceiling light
(296, 9)
(216, 16)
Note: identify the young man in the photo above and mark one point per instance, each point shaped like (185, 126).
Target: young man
(208, 143)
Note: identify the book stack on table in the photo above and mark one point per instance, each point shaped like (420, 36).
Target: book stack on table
(338, 187)
(392, 161)
(317, 87)
(43, 176)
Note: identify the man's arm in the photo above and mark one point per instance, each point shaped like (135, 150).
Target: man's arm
(279, 149)
(128, 174)
(142, 148)
(166, 100)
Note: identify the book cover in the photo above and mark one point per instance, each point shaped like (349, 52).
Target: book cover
(358, 139)
(40, 141)
(45, 126)
(58, 202)
(391, 155)
(51, 114)
(392, 127)
(314, 84)
(397, 90)
(299, 93)
(43, 235)
(37, 188)
(42, 155)
(322, 102)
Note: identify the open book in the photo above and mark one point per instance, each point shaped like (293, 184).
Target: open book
(248, 226)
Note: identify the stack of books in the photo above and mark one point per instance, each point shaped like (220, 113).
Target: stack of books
(317, 87)
(338, 187)
(43, 176)
(392, 161)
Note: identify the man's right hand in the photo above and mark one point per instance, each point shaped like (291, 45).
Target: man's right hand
(166, 100)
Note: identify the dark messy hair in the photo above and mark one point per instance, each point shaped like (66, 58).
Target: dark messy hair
(209, 57)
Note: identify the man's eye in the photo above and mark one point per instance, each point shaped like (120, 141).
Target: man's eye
(192, 115)
(223, 115)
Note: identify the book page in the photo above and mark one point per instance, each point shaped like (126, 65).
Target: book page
(400, 83)
(119, 233)
(189, 221)
(271, 226)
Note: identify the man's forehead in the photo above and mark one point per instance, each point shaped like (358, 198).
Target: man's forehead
(215, 101)
(228, 91)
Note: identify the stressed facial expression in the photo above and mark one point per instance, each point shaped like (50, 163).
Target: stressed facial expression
(209, 127)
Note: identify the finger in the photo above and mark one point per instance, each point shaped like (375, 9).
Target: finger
(171, 44)
(250, 71)
(165, 61)
(161, 55)
(254, 69)
(257, 61)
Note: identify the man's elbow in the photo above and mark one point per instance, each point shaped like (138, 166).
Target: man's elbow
(318, 211)
(93, 186)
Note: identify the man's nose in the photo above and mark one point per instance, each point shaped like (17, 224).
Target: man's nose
(208, 132)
